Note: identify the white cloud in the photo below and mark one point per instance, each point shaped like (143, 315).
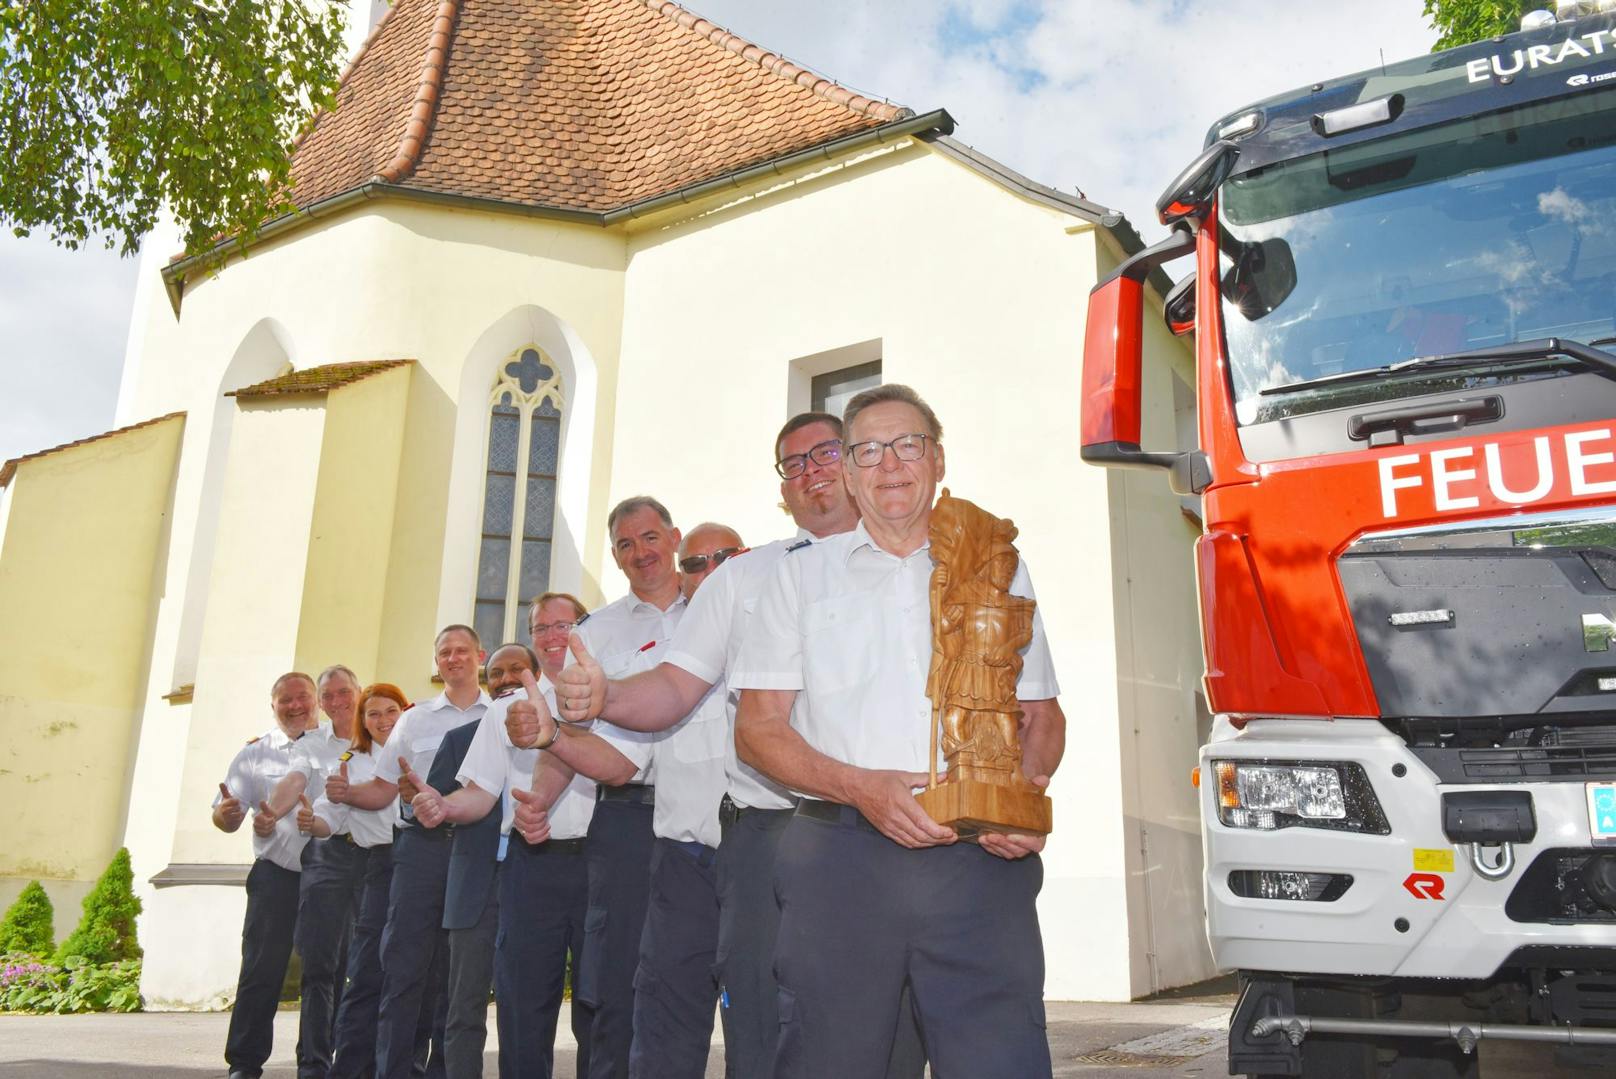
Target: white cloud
(1108, 97)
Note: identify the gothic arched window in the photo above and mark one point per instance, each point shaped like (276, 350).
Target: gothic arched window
(519, 498)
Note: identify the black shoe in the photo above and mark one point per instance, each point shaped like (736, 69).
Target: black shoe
(245, 1073)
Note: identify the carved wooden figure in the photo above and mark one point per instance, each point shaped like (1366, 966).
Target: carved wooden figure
(978, 630)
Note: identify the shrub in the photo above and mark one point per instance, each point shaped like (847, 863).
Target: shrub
(29, 927)
(27, 985)
(106, 932)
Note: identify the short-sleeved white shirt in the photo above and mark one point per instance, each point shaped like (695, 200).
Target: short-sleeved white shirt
(628, 636)
(314, 756)
(499, 767)
(708, 643)
(369, 827)
(848, 625)
(418, 734)
(262, 763)
(690, 771)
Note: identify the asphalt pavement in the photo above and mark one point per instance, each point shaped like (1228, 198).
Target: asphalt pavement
(1177, 1034)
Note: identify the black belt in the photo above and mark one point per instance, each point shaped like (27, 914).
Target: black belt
(550, 846)
(341, 838)
(730, 811)
(444, 831)
(834, 813)
(636, 793)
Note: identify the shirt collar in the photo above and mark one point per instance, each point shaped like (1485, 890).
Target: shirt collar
(636, 605)
(861, 541)
(441, 701)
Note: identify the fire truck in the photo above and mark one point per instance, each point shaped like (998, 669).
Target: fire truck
(1403, 302)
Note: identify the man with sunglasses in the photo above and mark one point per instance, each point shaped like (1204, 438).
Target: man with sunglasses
(832, 682)
(754, 810)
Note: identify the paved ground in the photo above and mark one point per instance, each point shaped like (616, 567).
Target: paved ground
(1179, 1034)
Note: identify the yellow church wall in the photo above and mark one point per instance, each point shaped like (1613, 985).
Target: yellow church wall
(350, 538)
(976, 297)
(84, 532)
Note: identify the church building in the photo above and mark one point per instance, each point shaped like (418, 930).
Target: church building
(548, 254)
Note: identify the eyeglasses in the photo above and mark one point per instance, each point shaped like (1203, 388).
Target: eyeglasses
(545, 627)
(827, 452)
(696, 563)
(904, 447)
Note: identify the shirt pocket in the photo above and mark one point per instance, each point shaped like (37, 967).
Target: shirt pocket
(838, 641)
(702, 738)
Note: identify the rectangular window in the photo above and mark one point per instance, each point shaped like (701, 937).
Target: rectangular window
(832, 390)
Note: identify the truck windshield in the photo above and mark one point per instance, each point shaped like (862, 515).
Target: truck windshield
(1484, 231)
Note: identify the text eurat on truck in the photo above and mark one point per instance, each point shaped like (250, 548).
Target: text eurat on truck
(1404, 308)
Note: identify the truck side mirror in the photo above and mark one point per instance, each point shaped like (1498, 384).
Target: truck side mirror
(1113, 359)
(1178, 309)
(1192, 192)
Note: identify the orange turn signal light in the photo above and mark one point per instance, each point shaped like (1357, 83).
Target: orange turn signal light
(1195, 777)
(1228, 792)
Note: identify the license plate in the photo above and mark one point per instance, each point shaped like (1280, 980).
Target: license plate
(1602, 813)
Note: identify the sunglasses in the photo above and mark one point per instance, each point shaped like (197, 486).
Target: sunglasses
(697, 563)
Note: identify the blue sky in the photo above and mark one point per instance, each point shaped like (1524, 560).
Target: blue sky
(1107, 97)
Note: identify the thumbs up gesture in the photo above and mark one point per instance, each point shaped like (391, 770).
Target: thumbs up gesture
(230, 809)
(581, 687)
(528, 722)
(305, 815)
(336, 785)
(408, 782)
(532, 818)
(264, 820)
(427, 803)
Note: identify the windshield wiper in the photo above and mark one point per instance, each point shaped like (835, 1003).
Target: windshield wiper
(1597, 360)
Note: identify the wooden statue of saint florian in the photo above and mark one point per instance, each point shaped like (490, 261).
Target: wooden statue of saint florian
(977, 632)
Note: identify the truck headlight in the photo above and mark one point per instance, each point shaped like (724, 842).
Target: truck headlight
(1265, 795)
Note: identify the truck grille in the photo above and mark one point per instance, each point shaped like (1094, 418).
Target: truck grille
(1527, 764)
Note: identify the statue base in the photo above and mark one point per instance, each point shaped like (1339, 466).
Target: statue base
(972, 806)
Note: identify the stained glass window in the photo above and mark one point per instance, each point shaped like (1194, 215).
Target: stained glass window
(519, 496)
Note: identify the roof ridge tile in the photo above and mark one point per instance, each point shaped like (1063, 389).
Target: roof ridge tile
(426, 96)
(8, 469)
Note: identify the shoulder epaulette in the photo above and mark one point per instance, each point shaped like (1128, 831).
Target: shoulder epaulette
(581, 621)
(251, 741)
(347, 755)
(799, 545)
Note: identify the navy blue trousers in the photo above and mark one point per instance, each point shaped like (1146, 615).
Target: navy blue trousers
(415, 959)
(355, 1053)
(266, 946)
(333, 879)
(675, 986)
(619, 857)
(544, 896)
(748, 926)
(861, 916)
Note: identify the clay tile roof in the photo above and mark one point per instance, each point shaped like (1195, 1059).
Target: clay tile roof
(317, 379)
(576, 104)
(9, 468)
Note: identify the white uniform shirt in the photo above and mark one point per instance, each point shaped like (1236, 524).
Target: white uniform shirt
(314, 756)
(708, 642)
(628, 636)
(690, 771)
(262, 763)
(369, 827)
(499, 767)
(848, 625)
(418, 734)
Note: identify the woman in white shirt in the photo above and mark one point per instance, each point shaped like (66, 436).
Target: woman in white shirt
(380, 705)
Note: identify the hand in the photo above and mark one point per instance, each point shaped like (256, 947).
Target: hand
(1011, 847)
(305, 815)
(264, 821)
(428, 804)
(407, 790)
(581, 688)
(887, 801)
(528, 721)
(336, 786)
(230, 809)
(532, 817)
